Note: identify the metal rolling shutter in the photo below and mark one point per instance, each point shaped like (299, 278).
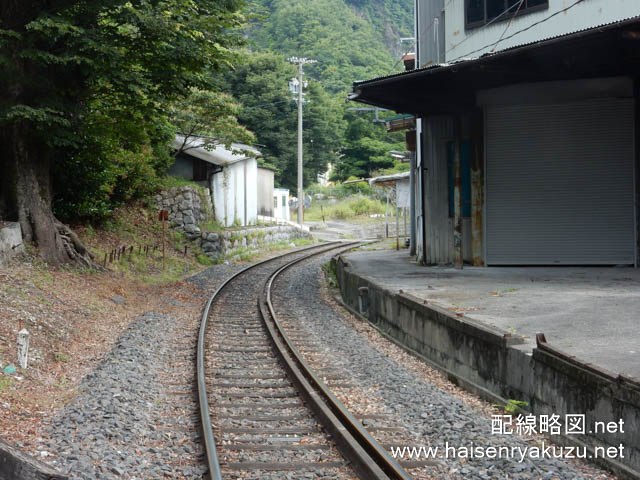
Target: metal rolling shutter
(559, 184)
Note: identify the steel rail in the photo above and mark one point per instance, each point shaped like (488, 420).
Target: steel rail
(205, 412)
(372, 450)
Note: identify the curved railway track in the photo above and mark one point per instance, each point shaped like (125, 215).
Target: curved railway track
(265, 413)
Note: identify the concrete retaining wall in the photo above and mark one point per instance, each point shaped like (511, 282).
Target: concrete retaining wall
(497, 365)
(15, 465)
(226, 244)
(10, 241)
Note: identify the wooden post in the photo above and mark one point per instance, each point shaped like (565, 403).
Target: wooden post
(397, 227)
(163, 216)
(23, 347)
(386, 217)
(457, 196)
(404, 217)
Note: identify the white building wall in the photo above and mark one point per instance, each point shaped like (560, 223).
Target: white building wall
(252, 191)
(473, 42)
(230, 191)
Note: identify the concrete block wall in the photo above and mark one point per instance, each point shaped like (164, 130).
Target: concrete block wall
(498, 366)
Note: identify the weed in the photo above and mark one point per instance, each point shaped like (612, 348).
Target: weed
(512, 406)
(62, 357)
(205, 260)
(210, 226)
(5, 382)
(330, 274)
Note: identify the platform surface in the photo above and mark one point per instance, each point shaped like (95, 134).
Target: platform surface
(590, 312)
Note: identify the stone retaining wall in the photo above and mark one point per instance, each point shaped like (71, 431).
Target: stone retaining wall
(187, 207)
(496, 365)
(220, 245)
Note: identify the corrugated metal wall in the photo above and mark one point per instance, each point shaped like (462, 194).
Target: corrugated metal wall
(439, 227)
(430, 36)
(463, 42)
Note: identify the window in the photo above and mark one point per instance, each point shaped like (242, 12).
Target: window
(284, 200)
(481, 12)
(275, 202)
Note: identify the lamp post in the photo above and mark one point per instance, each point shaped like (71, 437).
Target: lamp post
(296, 86)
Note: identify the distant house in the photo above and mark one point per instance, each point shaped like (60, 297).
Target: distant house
(231, 175)
(527, 131)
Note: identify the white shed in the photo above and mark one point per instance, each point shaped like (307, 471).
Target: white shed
(281, 203)
(232, 177)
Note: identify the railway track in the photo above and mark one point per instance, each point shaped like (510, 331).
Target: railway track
(265, 413)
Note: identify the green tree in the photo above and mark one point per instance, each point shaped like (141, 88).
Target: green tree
(70, 67)
(367, 147)
(211, 116)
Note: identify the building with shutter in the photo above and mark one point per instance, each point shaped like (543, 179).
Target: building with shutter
(527, 127)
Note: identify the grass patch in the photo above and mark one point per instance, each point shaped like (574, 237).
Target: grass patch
(136, 225)
(169, 181)
(349, 208)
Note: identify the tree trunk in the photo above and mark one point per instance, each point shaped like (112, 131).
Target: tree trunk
(27, 198)
(25, 180)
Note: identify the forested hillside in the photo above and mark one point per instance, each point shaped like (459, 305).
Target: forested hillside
(350, 40)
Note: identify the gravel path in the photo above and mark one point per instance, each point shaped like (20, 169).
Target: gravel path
(431, 415)
(136, 415)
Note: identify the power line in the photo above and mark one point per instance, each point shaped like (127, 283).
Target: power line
(521, 30)
(508, 25)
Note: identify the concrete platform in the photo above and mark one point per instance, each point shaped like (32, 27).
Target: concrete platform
(590, 312)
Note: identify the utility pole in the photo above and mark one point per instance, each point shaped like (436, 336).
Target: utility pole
(300, 84)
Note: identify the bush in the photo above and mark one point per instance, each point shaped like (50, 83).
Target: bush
(341, 212)
(366, 206)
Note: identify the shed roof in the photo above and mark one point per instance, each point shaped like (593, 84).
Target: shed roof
(385, 180)
(219, 155)
(605, 50)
